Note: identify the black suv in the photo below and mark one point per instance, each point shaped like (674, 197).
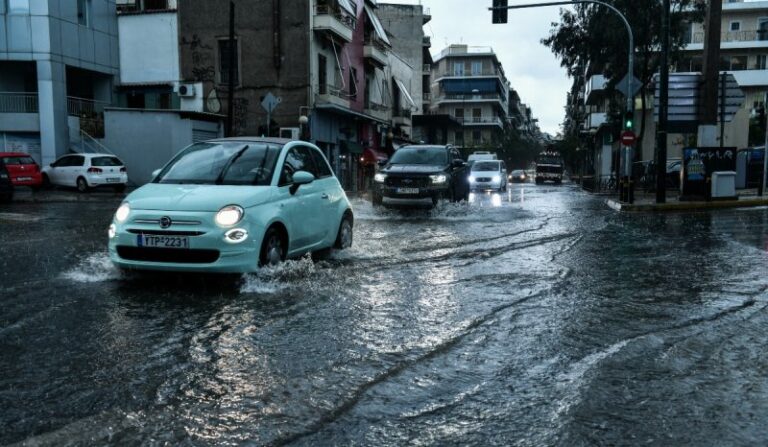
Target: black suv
(422, 175)
(6, 187)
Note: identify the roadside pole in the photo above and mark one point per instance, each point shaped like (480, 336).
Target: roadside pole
(661, 132)
(763, 181)
(231, 74)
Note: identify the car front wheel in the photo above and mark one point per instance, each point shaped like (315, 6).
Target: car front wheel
(272, 249)
(345, 235)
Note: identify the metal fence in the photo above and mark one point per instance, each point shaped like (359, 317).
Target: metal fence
(13, 102)
(82, 106)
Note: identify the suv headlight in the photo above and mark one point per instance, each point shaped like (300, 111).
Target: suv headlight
(472, 178)
(229, 215)
(380, 177)
(496, 178)
(438, 179)
(122, 213)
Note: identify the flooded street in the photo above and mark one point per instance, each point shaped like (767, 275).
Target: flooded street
(538, 317)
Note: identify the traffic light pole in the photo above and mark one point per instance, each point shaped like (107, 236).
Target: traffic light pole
(626, 154)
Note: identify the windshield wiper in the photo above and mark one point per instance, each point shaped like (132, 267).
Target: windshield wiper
(230, 162)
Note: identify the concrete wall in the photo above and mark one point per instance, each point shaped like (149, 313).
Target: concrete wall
(146, 140)
(149, 48)
(203, 22)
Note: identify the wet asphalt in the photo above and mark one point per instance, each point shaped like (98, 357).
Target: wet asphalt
(538, 317)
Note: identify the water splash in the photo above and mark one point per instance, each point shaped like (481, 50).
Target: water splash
(97, 267)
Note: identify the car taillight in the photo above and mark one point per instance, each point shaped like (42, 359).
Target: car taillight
(123, 169)
(94, 170)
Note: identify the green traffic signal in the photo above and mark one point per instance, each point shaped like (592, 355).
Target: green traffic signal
(629, 121)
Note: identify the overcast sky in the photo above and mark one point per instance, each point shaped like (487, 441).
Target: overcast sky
(531, 68)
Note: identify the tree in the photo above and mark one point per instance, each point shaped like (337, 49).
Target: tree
(593, 34)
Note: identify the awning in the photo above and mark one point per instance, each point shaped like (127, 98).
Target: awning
(405, 93)
(351, 147)
(348, 7)
(372, 156)
(377, 26)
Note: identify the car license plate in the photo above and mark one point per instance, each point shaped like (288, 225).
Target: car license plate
(24, 179)
(407, 190)
(113, 180)
(147, 240)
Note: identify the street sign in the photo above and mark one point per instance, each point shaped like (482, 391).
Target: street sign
(270, 101)
(635, 86)
(684, 97)
(628, 138)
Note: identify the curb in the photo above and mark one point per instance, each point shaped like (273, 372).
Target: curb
(685, 206)
(66, 199)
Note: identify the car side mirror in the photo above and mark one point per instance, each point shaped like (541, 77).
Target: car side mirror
(459, 163)
(156, 172)
(301, 178)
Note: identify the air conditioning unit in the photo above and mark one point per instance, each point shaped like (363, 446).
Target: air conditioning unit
(291, 133)
(187, 90)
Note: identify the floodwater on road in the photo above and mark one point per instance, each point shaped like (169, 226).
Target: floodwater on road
(536, 317)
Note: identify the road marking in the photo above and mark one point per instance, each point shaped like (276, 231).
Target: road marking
(17, 217)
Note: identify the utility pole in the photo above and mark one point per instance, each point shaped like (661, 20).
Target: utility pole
(231, 73)
(709, 92)
(661, 131)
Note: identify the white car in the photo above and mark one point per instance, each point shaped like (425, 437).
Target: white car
(86, 171)
(488, 175)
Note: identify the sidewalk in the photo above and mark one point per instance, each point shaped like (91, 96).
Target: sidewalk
(646, 203)
(26, 195)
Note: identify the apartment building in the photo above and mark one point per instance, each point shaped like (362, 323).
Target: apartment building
(470, 87)
(58, 62)
(326, 60)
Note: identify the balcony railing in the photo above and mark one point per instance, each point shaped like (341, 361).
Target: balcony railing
(376, 43)
(427, 41)
(346, 19)
(468, 74)
(735, 36)
(138, 6)
(376, 107)
(13, 102)
(402, 113)
(473, 97)
(81, 106)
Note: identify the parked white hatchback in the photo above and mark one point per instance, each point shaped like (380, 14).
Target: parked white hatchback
(86, 171)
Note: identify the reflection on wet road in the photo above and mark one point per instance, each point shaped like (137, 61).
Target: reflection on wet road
(533, 317)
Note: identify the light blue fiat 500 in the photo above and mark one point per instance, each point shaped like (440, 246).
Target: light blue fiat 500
(231, 206)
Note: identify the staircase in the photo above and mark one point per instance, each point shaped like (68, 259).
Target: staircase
(84, 143)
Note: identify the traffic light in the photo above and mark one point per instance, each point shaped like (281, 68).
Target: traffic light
(629, 120)
(500, 15)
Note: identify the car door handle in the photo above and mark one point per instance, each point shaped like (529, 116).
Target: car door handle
(324, 196)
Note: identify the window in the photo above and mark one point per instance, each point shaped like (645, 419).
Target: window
(83, 12)
(762, 28)
(738, 62)
(477, 68)
(224, 56)
(459, 138)
(687, 33)
(164, 101)
(323, 170)
(458, 68)
(297, 159)
(18, 6)
(135, 100)
(477, 115)
(761, 62)
(77, 160)
(459, 114)
(735, 26)
(477, 136)
(322, 74)
(353, 83)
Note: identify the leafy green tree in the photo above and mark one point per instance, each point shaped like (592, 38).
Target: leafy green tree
(593, 34)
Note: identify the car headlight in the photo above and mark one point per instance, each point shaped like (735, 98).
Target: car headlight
(122, 213)
(496, 178)
(438, 179)
(229, 215)
(112, 231)
(471, 178)
(380, 177)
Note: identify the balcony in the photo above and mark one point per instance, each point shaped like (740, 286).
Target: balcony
(334, 22)
(145, 6)
(84, 107)
(472, 74)
(426, 69)
(330, 94)
(376, 52)
(479, 121)
(731, 40)
(13, 102)
(426, 14)
(595, 120)
(377, 110)
(426, 97)
(402, 117)
(426, 42)
(595, 87)
(478, 98)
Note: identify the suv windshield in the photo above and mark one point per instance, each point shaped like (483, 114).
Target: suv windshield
(229, 163)
(420, 156)
(486, 166)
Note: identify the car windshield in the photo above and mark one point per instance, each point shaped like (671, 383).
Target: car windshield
(486, 166)
(518, 172)
(106, 161)
(548, 161)
(420, 156)
(227, 163)
(19, 160)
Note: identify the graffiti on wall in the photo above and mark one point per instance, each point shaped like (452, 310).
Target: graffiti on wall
(202, 56)
(240, 115)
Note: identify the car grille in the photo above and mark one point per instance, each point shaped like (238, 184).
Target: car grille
(167, 233)
(408, 182)
(484, 179)
(168, 255)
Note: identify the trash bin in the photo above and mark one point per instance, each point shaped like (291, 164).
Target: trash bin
(723, 185)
